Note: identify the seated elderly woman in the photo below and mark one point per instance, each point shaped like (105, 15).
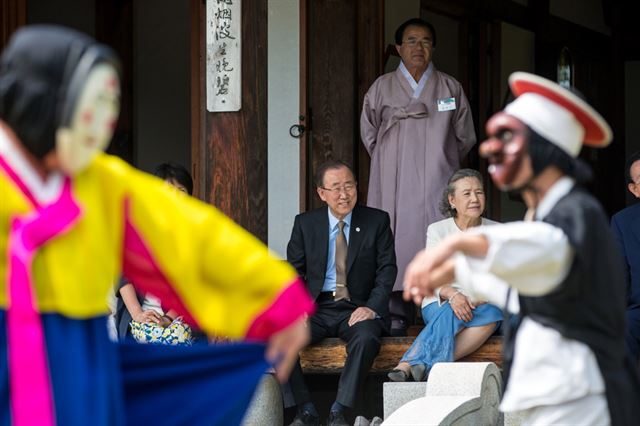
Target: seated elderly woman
(455, 327)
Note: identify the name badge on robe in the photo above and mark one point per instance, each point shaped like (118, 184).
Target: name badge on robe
(446, 104)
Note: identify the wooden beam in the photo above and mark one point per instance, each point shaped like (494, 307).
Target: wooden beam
(329, 356)
(197, 83)
(13, 14)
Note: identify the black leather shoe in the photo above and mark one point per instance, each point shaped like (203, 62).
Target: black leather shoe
(305, 418)
(336, 418)
(397, 376)
(419, 372)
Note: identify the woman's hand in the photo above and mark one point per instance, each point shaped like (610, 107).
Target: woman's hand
(462, 307)
(150, 316)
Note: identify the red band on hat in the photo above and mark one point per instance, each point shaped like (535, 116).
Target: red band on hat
(597, 131)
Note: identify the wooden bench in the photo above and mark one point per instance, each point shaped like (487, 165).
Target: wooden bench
(328, 356)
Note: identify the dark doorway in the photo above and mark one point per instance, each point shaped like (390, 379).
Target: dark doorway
(152, 40)
(342, 56)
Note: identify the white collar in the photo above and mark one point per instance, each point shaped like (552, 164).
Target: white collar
(44, 192)
(554, 194)
(417, 87)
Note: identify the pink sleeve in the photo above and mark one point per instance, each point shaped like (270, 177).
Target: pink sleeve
(291, 304)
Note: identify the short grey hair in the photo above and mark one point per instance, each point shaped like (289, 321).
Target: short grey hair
(450, 189)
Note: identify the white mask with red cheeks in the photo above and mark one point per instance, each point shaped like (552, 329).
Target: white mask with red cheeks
(93, 120)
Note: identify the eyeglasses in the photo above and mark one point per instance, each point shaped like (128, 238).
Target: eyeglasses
(413, 42)
(347, 188)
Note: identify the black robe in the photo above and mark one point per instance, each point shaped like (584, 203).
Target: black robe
(589, 305)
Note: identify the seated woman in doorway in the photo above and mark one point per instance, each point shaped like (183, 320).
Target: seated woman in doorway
(142, 316)
(455, 327)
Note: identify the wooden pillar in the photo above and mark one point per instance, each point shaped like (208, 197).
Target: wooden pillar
(13, 14)
(370, 33)
(229, 149)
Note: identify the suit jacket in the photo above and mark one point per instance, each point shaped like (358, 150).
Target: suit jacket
(371, 258)
(626, 228)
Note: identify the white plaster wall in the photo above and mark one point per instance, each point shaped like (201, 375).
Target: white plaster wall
(632, 113)
(283, 104)
(588, 13)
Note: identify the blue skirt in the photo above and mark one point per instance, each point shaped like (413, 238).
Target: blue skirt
(96, 381)
(435, 343)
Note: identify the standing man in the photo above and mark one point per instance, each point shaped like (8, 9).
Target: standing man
(565, 361)
(416, 125)
(345, 254)
(626, 229)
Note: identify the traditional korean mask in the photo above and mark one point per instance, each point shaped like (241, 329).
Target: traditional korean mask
(59, 94)
(506, 149)
(92, 122)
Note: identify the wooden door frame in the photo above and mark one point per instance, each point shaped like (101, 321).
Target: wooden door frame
(198, 88)
(370, 65)
(13, 15)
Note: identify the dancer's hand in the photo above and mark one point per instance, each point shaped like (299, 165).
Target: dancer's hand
(433, 268)
(428, 270)
(283, 347)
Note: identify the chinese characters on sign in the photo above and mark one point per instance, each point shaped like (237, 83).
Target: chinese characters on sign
(223, 55)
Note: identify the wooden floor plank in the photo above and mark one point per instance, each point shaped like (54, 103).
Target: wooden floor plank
(328, 356)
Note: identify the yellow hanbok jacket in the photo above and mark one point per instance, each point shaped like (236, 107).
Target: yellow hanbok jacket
(186, 252)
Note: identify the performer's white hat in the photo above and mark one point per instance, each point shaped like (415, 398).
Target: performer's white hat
(557, 114)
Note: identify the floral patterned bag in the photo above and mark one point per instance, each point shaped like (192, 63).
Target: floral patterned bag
(176, 333)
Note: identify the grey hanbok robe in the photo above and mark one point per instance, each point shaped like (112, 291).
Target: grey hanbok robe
(414, 149)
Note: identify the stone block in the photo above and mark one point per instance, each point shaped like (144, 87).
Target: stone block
(396, 394)
(457, 394)
(266, 406)
(513, 419)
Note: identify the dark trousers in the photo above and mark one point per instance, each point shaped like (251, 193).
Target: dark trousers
(632, 334)
(402, 313)
(363, 344)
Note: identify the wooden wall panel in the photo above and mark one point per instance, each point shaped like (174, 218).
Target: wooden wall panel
(235, 146)
(345, 55)
(370, 67)
(332, 83)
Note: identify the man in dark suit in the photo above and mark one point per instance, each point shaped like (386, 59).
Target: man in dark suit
(626, 228)
(345, 254)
